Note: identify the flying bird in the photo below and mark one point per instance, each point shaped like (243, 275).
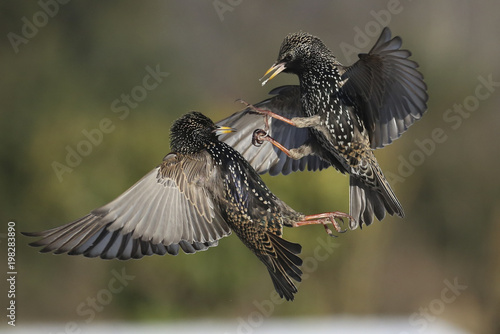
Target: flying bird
(336, 117)
(200, 192)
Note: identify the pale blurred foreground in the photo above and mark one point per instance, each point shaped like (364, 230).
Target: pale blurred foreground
(337, 325)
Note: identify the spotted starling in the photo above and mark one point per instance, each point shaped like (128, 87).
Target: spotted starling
(201, 191)
(348, 111)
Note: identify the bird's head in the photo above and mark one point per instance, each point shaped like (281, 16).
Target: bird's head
(298, 52)
(193, 132)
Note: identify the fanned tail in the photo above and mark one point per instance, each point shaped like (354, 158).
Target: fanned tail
(283, 264)
(371, 196)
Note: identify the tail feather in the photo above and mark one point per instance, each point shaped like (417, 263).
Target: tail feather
(283, 264)
(374, 198)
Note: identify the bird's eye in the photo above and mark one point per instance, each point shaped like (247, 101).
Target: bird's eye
(287, 58)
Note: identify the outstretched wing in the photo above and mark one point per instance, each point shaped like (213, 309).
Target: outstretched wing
(170, 208)
(386, 88)
(267, 158)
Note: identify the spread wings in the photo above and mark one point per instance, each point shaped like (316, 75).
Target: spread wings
(384, 85)
(171, 207)
(387, 90)
(267, 158)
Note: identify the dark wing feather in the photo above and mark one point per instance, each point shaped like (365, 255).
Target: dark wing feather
(268, 158)
(387, 89)
(169, 208)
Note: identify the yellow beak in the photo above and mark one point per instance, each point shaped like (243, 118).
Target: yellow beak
(275, 70)
(223, 129)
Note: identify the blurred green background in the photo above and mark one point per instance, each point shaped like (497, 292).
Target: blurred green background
(63, 79)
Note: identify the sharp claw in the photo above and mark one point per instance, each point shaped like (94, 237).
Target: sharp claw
(329, 232)
(338, 221)
(256, 137)
(343, 223)
(246, 104)
(324, 218)
(254, 109)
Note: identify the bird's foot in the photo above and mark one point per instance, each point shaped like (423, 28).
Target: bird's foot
(258, 137)
(254, 110)
(268, 113)
(335, 218)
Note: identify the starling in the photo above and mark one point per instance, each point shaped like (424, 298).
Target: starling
(338, 116)
(202, 191)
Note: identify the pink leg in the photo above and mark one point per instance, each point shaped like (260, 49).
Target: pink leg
(259, 136)
(325, 219)
(268, 113)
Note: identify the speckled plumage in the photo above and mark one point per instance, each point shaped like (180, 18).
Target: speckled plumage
(340, 127)
(349, 111)
(200, 192)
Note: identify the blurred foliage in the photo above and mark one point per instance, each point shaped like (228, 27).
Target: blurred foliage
(65, 79)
